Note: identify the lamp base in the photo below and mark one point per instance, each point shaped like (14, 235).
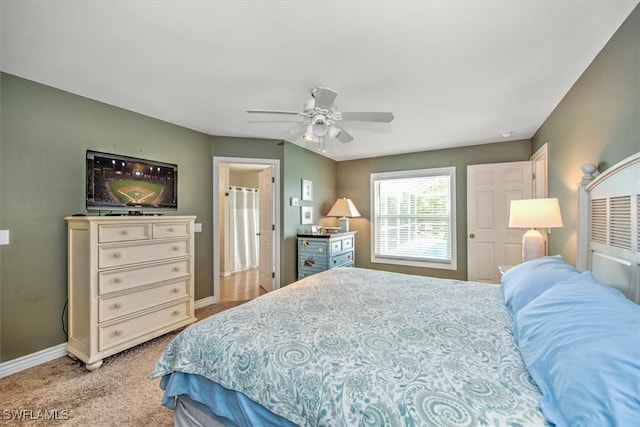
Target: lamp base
(532, 245)
(344, 224)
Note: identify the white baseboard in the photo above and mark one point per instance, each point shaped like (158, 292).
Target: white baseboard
(205, 302)
(48, 354)
(33, 359)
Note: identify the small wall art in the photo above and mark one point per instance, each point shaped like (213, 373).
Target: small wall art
(307, 190)
(306, 215)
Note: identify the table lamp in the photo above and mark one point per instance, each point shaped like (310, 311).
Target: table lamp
(344, 208)
(532, 214)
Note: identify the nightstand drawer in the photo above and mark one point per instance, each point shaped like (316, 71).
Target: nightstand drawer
(342, 259)
(336, 247)
(312, 264)
(347, 243)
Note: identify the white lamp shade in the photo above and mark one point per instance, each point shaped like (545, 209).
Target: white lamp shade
(535, 213)
(344, 208)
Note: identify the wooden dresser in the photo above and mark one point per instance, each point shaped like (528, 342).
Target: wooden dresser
(130, 279)
(319, 252)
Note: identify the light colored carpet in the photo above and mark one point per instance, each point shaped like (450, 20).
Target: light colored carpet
(120, 393)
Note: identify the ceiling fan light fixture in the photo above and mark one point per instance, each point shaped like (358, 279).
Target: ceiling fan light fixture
(308, 134)
(320, 125)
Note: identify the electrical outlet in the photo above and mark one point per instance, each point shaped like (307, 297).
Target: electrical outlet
(295, 201)
(197, 227)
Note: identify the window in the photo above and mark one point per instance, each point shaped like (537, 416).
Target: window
(413, 218)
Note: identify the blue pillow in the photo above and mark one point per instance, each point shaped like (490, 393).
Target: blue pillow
(580, 341)
(524, 282)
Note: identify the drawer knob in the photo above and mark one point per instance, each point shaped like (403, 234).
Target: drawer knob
(118, 255)
(176, 312)
(119, 332)
(118, 305)
(176, 290)
(170, 229)
(125, 232)
(176, 248)
(320, 250)
(176, 268)
(118, 280)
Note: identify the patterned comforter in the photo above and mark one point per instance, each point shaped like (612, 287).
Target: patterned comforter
(351, 346)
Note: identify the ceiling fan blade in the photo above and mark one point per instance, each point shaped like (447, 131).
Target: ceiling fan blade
(339, 133)
(295, 113)
(297, 130)
(367, 117)
(325, 97)
(344, 136)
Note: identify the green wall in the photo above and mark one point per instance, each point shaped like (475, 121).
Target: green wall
(353, 182)
(45, 133)
(304, 164)
(598, 121)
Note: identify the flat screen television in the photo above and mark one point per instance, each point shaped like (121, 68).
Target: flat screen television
(128, 184)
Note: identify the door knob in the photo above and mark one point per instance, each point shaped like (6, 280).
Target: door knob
(472, 236)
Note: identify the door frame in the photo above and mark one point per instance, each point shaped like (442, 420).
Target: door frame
(275, 163)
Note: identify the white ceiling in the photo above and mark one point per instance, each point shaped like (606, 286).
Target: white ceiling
(453, 73)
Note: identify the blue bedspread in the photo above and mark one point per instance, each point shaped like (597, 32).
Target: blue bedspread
(351, 346)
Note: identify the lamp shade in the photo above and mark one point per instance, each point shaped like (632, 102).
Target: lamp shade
(344, 208)
(535, 213)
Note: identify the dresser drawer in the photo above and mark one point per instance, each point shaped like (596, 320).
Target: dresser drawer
(116, 256)
(120, 332)
(127, 278)
(347, 243)
(312, 247)
(342, 259)
(336, 246)
(111, 307)
(311, 265)
(123, 232)
(167, 230)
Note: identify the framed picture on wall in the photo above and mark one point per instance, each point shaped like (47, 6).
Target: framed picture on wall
(307, 190)
(306, 215)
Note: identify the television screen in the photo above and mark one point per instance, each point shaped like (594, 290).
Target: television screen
(123, 183)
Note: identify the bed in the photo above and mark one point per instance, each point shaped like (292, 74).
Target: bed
(554, 345)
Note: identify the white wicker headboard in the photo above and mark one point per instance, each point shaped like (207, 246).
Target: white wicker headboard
(608, 237)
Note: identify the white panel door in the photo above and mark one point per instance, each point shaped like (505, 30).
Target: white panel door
(490, 243)
(266, 226)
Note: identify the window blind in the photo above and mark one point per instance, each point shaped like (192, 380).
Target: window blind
(413, 216)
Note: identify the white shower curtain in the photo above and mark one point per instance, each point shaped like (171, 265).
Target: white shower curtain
(243, 228)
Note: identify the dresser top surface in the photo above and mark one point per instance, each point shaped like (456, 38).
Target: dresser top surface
(326, 235)
(129, 218)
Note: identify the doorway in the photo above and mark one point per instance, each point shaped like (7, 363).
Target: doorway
(490, 242)
(246, 218)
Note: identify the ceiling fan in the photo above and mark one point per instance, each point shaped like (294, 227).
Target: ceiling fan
(321, 116)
